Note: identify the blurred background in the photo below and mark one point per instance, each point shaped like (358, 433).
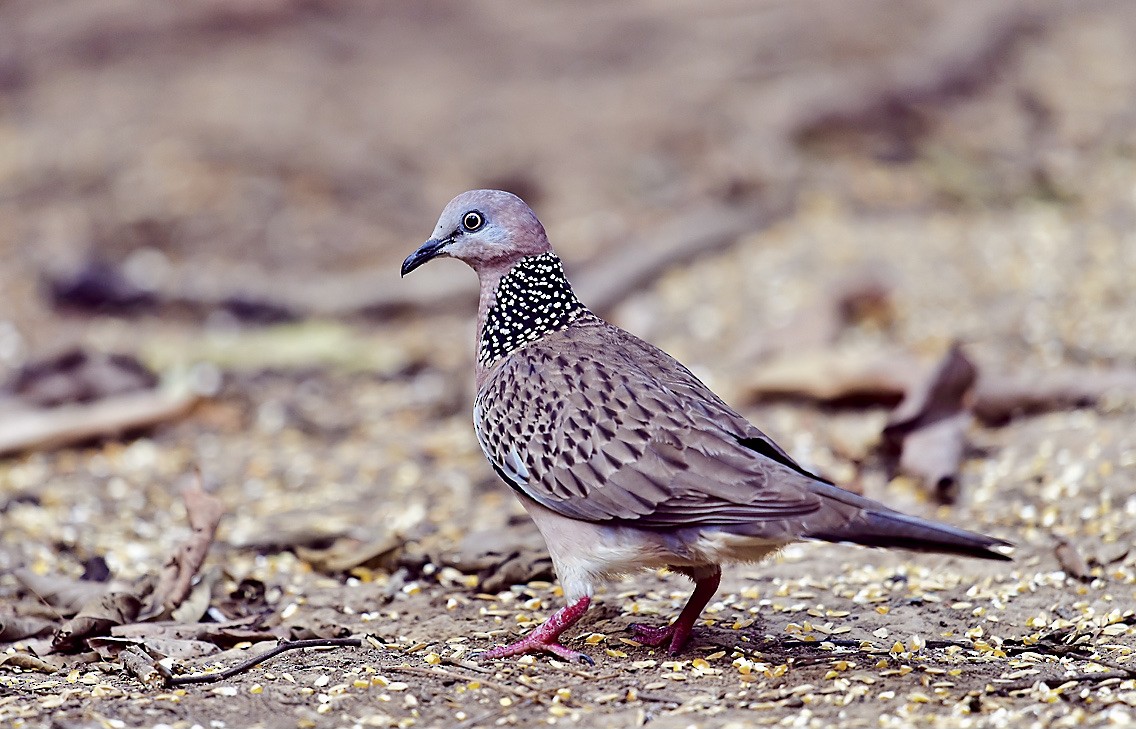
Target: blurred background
(221, 192)
(228, 148)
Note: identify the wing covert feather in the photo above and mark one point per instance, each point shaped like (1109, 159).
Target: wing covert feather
(609, 428)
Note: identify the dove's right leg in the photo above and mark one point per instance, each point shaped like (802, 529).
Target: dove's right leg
(678, 633)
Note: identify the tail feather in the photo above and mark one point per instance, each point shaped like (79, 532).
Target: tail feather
(886, 528)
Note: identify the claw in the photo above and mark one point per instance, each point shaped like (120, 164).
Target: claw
(531, 644)
(545, 639)
(677, 634)
(651, 635)
(679, 631)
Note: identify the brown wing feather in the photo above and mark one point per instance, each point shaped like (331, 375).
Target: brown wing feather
(599, 425)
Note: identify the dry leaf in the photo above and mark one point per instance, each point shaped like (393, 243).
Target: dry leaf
(925, 436)
(941, 395)
(110, 647)
(28, 662)
(1071, 560)
(221, 634)
(247, 599)
(116, 608)
(1108, 554)
(68, 595)
(194, 607)
(933, 454)
(502, 557)
(18, 627)
(176, 580)
(865, 296)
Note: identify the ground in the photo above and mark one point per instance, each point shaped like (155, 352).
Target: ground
(981, 160)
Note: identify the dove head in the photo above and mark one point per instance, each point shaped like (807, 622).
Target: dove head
(488, 229)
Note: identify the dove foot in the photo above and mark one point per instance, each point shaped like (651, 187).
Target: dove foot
(545, 639)
(678, 632)
(675, 634)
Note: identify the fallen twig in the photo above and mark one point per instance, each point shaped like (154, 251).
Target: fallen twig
(39, 429)
(1008, 688)
(270, 298)
(172, 680)
(634, 265)
(142, 666)
(999, 397)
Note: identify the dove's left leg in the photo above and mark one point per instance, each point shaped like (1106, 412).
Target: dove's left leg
(706, 582)
(546, 637)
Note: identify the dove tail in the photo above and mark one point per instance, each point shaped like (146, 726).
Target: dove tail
(893, 530)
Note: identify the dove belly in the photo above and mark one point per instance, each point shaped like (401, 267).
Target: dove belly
(587, 554)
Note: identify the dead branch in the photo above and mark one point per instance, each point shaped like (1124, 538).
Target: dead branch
(999, 397)
(1007, 689)
(24, 430)
(256, 660)
(635, 264)
(378, 293)
(141, 666)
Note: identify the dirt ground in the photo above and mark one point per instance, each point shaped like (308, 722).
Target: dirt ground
(979, 157)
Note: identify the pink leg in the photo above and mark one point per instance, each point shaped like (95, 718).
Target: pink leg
(546, 637)
(679, 631)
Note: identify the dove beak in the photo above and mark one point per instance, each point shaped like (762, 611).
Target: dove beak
(428, 250)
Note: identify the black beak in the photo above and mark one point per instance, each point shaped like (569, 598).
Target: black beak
(426, 251)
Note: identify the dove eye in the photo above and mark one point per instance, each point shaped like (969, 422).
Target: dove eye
(472, 221)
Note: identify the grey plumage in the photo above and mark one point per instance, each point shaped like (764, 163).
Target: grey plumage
(621, 455)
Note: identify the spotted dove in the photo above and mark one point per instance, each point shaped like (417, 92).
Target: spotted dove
(621, 456)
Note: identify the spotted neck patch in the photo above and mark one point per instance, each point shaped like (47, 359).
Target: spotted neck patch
(532, 300)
